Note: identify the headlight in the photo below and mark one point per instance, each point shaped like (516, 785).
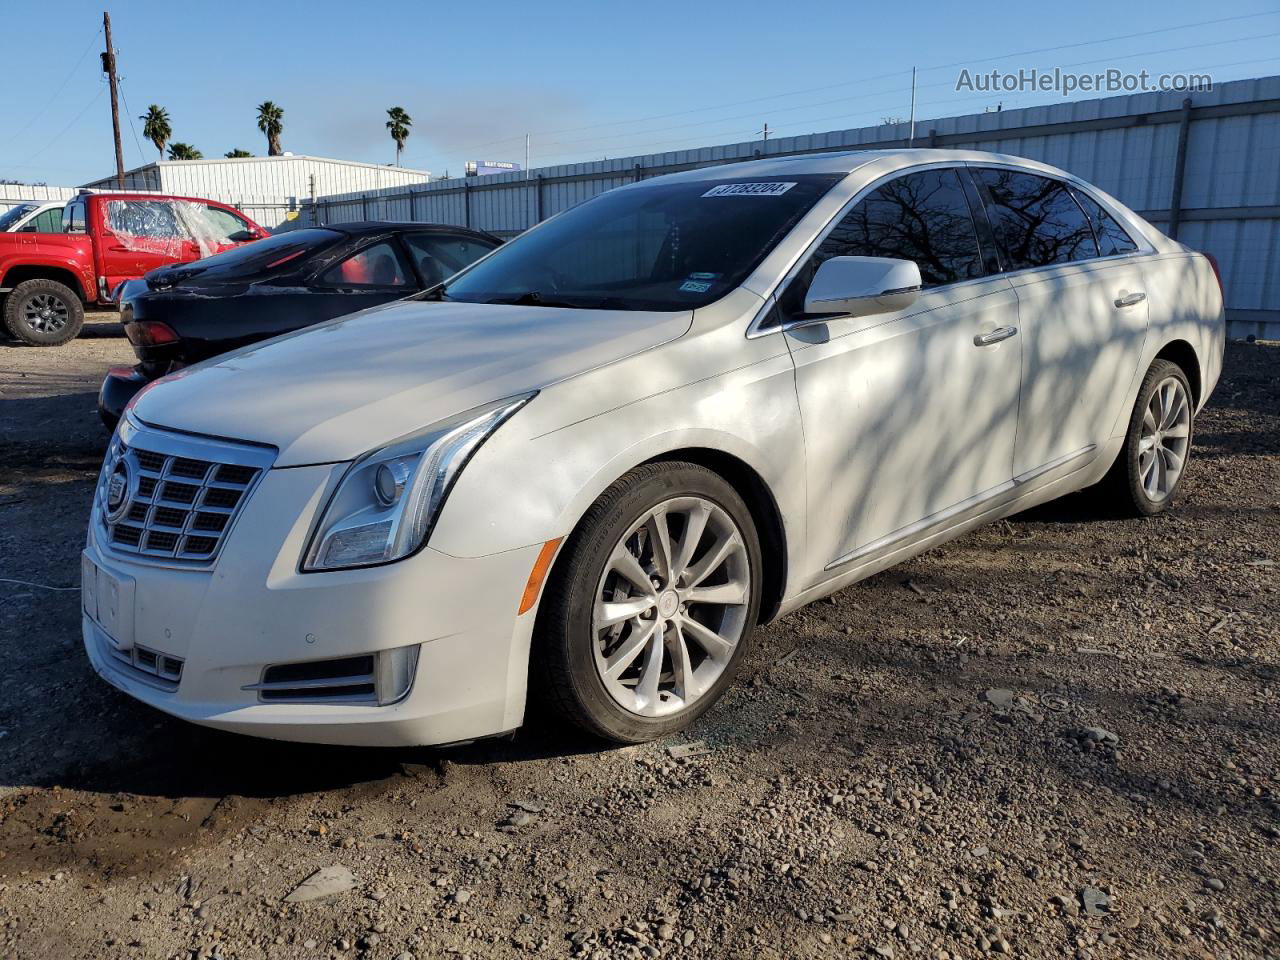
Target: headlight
(388, 501)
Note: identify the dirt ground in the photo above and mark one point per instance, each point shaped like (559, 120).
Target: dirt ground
(1055, 737)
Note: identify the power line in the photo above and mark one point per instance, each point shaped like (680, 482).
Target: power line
(863, 97)
(93, 42)
(136, 142)
(650, 146)
(62, 132)
(868, 79)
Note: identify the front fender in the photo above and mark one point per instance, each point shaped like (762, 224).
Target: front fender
(528, 485)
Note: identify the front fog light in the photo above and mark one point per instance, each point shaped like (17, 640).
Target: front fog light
(395, 673)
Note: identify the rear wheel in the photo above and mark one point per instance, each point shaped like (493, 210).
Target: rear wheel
(43, 313)
(1151, 464)
(652, 606)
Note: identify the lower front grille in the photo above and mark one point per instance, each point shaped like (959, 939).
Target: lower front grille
(142, 663)
(374, 678)
(171, 496)
(349, 679)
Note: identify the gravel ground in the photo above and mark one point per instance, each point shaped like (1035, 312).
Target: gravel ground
(1054, 737)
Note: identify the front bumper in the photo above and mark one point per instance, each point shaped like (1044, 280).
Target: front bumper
(254, 609)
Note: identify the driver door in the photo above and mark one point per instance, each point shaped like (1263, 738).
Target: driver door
(373, 275)
(910, 416)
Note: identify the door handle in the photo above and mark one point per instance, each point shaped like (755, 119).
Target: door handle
(994, 336)
(1130, 299)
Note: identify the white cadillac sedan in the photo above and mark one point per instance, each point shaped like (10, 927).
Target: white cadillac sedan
(587, 467)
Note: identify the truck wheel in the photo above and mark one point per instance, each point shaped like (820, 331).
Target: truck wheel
(43, 313)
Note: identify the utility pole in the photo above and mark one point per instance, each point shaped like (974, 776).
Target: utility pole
(109, 68)
(911, 137)
(526, 156)
(765, 132)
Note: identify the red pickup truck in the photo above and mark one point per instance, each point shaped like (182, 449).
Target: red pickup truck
(47, 278)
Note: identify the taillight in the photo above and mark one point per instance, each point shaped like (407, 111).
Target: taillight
(1217, 274)
(150, 333)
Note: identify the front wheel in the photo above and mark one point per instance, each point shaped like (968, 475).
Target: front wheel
(43, 313)
(1157, 445)
(652, 606)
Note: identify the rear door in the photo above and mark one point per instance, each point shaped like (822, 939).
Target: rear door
(1083, 317)
(907, 415)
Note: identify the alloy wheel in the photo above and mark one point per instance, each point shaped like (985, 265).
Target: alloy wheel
(45, 313)
(1166, 434)
(671, 606)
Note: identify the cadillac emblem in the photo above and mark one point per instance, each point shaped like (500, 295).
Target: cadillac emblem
(119, 490)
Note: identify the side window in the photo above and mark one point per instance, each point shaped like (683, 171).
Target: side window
(441, 255)
(73, 217)
(1035, 220)
(1112, 238)
(922, 217)
(48, 222)
(224, 224)
(143, 218)
(375, 266)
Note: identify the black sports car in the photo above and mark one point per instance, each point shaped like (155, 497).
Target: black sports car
(176, 316)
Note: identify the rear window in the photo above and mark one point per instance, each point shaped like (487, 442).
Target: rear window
(269, 253)
(1113, 240)
(73, 218)
(1036, 221)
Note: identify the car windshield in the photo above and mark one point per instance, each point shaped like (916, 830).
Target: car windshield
(14, 214)
(269, 253)
(661, 246)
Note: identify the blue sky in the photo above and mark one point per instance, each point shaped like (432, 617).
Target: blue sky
(586, 80)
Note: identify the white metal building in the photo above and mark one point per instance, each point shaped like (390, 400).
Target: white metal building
(266, 188)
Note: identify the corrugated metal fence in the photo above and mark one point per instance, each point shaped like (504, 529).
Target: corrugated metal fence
(12, 194)
(1226, 200)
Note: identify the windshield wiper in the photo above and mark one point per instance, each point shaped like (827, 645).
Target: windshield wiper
(532, 298)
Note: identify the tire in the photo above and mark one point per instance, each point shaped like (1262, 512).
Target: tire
(674, 633)
(43, 313)
(1138, 483)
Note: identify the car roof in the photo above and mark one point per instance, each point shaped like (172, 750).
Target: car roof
(847, 161)
(361, 228)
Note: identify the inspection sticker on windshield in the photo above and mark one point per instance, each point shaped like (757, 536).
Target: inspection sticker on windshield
(695, 286)
(749, 190)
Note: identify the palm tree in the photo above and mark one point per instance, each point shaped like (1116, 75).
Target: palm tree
(237, 152)
(156, 126)
(184, 151)
(398, 126)
(271, 122)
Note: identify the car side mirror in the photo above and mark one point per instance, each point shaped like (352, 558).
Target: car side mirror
(860, 287)
(242, 236)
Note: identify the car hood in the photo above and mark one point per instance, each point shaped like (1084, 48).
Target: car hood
(339, 389)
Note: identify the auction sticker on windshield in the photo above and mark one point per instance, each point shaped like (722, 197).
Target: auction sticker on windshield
(749, 190)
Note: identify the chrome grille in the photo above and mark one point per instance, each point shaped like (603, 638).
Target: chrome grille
(180, 494)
